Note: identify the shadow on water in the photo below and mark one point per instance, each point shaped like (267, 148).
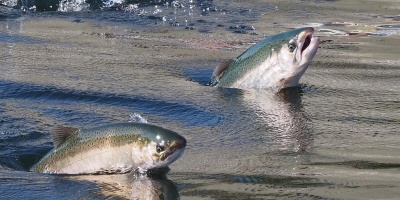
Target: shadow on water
(203, 77)
(360, 164)
(230, 186)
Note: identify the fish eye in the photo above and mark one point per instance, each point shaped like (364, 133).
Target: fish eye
(159, 148)
(292, 46)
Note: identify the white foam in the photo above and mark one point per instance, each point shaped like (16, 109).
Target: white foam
(73, 5)
(137, 118)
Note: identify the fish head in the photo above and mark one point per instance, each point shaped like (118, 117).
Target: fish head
(159, 148)
(297, 50)
(168, 148)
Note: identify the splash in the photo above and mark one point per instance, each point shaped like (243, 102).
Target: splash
(137, 118)
(132, 8)
(73, 5)
(10, 3)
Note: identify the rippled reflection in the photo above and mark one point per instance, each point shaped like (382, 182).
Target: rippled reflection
(283, 114)
(122, 186)
(130, 186)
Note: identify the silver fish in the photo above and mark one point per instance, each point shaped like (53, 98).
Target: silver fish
(278, 61)
(115, 148)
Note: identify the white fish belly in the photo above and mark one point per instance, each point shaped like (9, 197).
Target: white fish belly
(98, 160)
(266, 75)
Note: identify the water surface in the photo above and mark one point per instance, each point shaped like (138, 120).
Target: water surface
(334, 137)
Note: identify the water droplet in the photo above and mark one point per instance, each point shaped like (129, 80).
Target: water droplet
(137, 118)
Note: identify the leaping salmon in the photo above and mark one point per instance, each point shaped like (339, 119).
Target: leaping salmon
(278, 62)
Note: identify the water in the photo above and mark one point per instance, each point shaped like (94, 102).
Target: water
(335, 137)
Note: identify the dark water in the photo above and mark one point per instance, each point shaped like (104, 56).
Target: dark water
(334, 137)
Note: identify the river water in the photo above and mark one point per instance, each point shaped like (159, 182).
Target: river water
(334, 137)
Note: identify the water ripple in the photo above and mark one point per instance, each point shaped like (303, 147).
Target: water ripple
(173, 110)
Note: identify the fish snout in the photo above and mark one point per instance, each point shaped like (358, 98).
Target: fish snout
(179, 143)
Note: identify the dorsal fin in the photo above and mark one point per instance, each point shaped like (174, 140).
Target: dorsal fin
(219, 71)
(61, 133)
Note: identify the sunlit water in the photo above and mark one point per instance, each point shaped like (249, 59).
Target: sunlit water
(334, 137)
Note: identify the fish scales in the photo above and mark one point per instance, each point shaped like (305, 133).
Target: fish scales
(240, 66)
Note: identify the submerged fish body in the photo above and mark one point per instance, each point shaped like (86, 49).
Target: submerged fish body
(115, 148)
(278, 61)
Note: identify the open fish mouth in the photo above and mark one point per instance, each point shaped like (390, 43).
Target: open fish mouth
(308, 43)
(176, 147)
